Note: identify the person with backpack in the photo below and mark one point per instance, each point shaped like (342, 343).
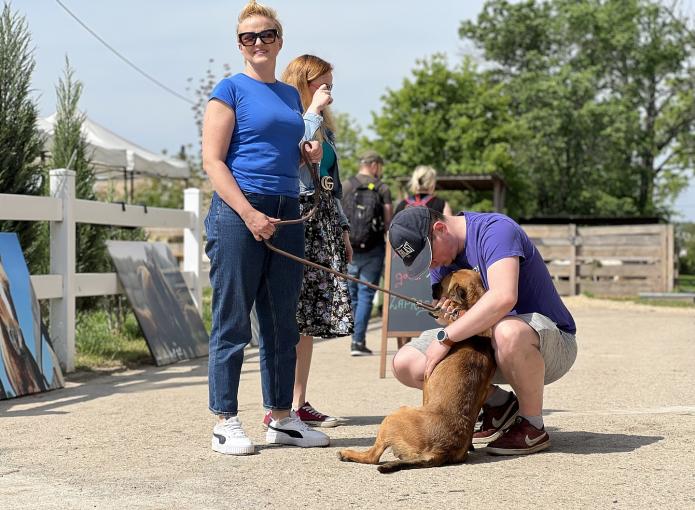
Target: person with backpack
(367, 205)
(422, 184)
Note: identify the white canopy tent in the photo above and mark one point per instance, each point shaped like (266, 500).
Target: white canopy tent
(114, 155)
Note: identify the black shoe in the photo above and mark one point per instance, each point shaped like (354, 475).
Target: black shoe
(360, 350)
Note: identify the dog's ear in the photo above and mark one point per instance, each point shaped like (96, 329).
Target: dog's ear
(461, 296)
(475, 289)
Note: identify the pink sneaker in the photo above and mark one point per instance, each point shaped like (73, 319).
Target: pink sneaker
(267, 418)
(312, 417)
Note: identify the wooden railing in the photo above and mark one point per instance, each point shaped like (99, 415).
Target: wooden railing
(621, 260)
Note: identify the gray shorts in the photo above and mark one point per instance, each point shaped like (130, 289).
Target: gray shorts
(558, 348)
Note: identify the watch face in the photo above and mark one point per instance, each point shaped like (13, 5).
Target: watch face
(441, 335)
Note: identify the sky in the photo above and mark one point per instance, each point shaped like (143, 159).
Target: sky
(373, 46)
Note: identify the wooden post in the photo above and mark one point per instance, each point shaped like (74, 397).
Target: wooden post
(573, 258)
(668, 260)
(193, 245)
(385, 315)
(62, 250)
(497, 197)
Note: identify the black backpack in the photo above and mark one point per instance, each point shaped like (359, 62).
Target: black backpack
(364, 208)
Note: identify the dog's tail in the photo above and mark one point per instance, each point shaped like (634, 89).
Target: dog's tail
(424, 461)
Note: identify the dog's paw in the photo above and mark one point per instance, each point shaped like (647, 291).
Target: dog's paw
(342, 457)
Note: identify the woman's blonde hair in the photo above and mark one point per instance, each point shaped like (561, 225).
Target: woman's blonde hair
(423, 180)
(253, 8)
(300, 72)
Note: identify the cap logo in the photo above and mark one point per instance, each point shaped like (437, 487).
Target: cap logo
(404, 250)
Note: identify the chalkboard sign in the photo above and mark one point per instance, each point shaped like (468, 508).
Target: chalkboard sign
(401, 318)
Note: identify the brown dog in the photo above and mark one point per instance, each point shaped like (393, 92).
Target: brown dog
(440, 431)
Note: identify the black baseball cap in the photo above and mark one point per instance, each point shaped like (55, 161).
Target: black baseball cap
(409, 235)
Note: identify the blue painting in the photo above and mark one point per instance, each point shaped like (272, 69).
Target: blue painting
(28, 363)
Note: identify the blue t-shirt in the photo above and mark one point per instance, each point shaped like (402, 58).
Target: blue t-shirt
(263, 154)
(491, 237)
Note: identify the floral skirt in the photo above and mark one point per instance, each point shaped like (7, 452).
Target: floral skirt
(324, 303)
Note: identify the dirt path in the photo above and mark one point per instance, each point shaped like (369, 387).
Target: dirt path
(622, 424)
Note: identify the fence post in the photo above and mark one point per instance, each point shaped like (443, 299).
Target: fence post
(62, 247)
(669, 258)
(573, 259)
(193, 243)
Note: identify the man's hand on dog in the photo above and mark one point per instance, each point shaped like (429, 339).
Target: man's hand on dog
(448, 312)
(435, 353)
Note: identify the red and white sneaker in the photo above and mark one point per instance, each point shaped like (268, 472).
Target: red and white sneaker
(267, 418)
(312, 417)
(308, 415)
(520, 439)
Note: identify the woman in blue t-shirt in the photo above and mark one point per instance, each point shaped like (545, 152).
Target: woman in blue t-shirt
(251, 133)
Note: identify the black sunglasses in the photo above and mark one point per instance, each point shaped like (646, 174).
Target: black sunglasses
(267, 37)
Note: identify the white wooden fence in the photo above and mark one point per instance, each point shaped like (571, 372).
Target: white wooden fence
(63, 211)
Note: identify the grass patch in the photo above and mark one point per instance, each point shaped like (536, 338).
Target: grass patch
(100, 346)
(685, 283)
(672, 303)
(668, 303)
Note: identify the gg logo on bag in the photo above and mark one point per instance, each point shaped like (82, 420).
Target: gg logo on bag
(327, 183)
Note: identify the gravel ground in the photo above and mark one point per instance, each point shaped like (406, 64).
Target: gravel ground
(622, 423)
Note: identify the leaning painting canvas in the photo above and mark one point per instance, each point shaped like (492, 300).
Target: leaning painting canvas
(28, 363)
(160, 299)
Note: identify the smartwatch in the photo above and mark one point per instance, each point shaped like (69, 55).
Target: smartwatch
(443, 338)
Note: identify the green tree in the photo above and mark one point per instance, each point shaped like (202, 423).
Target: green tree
(20, 143)
(454, 119)
(349, 143)
(160, 192)
(603, 90)
(70, 150)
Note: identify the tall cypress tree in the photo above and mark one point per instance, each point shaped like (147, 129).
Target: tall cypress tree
(70, 150)
(20, 142)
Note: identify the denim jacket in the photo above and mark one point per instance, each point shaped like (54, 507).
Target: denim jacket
(312, 123)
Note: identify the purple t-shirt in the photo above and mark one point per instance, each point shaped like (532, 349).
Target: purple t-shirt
(491, 237)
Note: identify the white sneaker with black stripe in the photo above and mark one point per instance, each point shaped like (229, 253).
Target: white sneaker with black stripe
(293, 431)
(228, 437)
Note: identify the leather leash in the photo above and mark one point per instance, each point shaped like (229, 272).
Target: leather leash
(313, 168)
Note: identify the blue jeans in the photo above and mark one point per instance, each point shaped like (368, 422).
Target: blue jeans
(366, 266)
(243, 270)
